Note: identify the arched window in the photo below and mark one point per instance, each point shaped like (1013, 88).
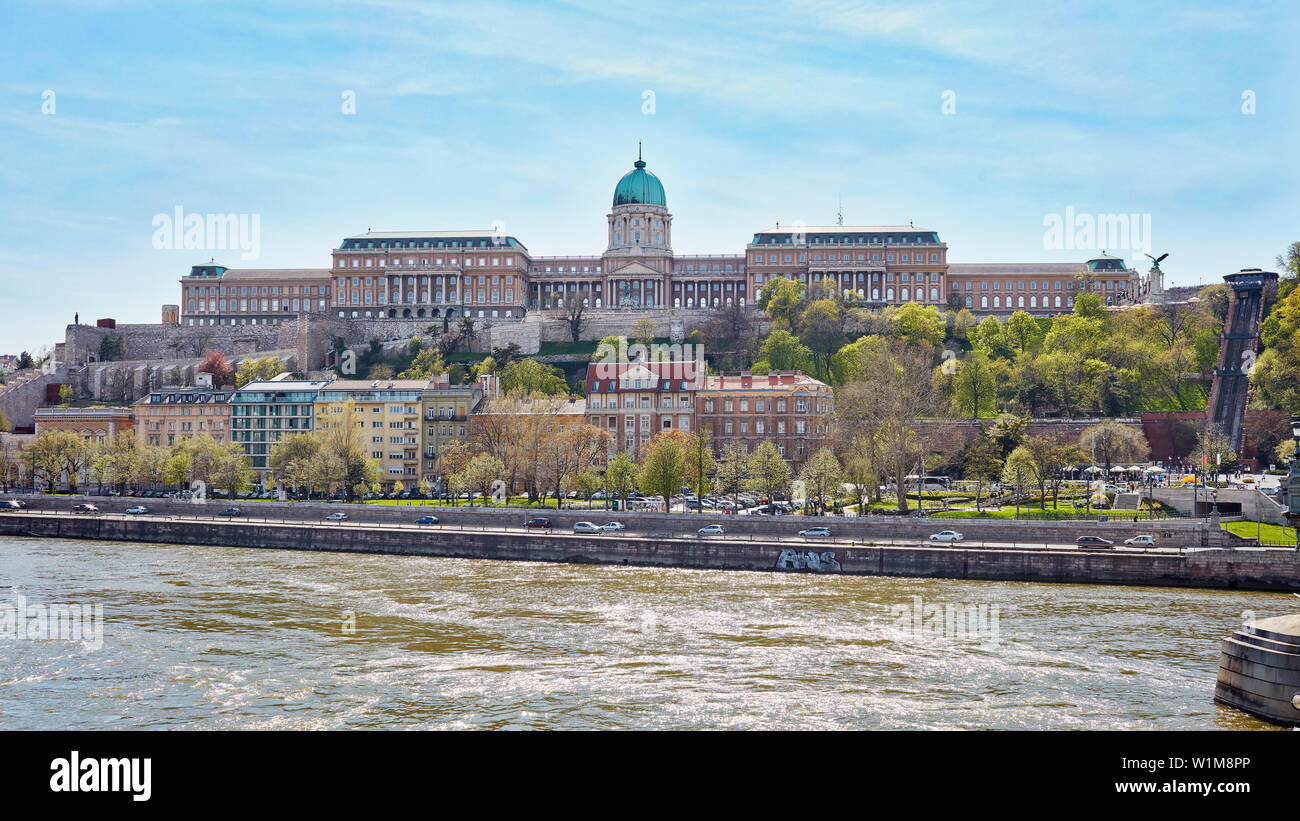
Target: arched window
(997, 302)
(1022, 302)
(984, 302)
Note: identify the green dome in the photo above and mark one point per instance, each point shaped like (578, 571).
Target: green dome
(639, 186)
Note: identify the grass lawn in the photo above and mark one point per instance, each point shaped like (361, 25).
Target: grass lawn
(1268, 534)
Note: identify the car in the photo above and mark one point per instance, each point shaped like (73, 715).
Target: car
(611, 527)
(230, 511)
(427, 520)
(137, 510)
(712, 530)
(586, 527)
(13, 504)
(816, 531)
(544, 524)
(336, 517)
(946, 536)
(1094, 542)
(1141, 541)
(90, 509)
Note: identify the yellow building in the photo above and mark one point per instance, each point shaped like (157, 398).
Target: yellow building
(387, 415)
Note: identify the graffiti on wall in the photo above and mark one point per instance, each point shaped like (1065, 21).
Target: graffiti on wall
(824, 562)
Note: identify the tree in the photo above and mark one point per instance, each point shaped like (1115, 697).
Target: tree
(769, 473)
(781, 299)
(664, 465)
(1042, 461)
(1089, 305)
(573, 315)
(5, 424)
(1113, 442)
(66, 394)
(732, 471)
(345, 454)
(643, 331)
(917, 324)
(381, 370)
(983, 464)
(254, 370)
(291, 460)
(699, 453)
(112, 347)
(532, 377)
(891, 393)
(214, 362)
(426, 365)
(973, 388)
(25, 361)
(620, 475)
(821, 328)
(822, 476)
(480, 474)
(782, 351)
(55, 454)
(1023, 331)
(1213, 449)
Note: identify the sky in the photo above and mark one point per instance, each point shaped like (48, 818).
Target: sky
(978, 121)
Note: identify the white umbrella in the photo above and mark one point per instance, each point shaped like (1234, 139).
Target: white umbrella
(1118, 469)
(1093, 469)
(1135, 469)
(1154, 470)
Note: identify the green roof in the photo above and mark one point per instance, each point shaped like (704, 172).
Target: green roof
(639, 186)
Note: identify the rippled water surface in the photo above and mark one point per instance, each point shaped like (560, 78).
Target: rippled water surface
(234, 638)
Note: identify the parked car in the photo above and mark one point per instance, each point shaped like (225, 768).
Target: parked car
(586, 527)
(137, 510)
(1094, 541)
(946, 536)
(1141, 541)
(612, 527)
(336, 517)
(427, 520)
(816, 531)
(230, 511)
(89, 509)
(712, 530)
(544, 524)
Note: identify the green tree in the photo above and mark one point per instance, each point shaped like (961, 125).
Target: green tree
(770, 475)
(822, 477)
(1023, 331)
(533, 377)
(620, 476)
(973, 388)
(782, 300)
(699, 455)
(783, 351)
(983, 465)
(664, 465)
(917, 324)
(821, 328)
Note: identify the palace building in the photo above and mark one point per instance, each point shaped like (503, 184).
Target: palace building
(487, 274)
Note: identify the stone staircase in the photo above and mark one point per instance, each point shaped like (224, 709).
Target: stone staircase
(1127, 501)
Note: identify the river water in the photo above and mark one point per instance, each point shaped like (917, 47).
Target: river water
(227, 638)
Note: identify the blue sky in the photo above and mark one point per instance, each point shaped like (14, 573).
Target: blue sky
(468, 113)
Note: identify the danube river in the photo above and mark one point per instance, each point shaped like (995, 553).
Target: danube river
(226, 638)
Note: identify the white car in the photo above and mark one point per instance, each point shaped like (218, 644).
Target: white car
(946, 536)
(586, 527)
(336, 517)
(816, 531)
(712, 530)
(1141, 541)
(613, 526)
(137, 510)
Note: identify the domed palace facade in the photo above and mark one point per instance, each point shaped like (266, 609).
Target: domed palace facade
(488, 274)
